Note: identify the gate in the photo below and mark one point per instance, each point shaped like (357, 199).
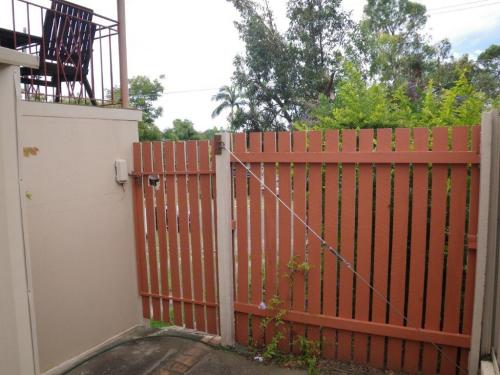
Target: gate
(174, 203)
(399, 206)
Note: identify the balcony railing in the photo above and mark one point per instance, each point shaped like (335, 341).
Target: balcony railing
(78, 50)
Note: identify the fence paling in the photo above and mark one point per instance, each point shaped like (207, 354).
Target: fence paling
(139, 231)
(315, 213)
(151, 230)
(172, 227)
(195, 231)
(184, 242)
(284, 235)
(270, 229)
(436, 246)
(255, 240)
(381, 245)
(455, 247)
(399, 245)
(365, 209)
(239, 144)
(347, 244)
(299, 240)
(331, 236)
(208, 249)
(161, 207)
(418, 246)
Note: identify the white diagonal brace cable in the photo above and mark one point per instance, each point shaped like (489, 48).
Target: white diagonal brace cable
(342, 259)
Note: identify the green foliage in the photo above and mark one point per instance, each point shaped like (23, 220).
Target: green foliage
(430, 113)
(393, 37)
(277, 313)
(271, 350)
(228, 97)
(358, 105)
(144, 93)
(487, 73)
(462, 104)
(294, 266)
(309, 354)
(183, 130)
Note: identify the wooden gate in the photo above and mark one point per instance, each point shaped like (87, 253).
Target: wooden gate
(399, 205)
(174, 203)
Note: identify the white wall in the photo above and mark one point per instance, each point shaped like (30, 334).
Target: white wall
(17, 354)
(80, 226)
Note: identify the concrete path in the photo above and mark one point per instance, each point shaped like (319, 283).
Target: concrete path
(184, 354)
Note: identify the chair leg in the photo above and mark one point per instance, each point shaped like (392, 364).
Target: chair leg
(90, 92)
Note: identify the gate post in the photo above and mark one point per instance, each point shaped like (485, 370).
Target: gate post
(487, 241)
(224, 240)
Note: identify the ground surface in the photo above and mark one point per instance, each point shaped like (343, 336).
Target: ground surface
(175, 353)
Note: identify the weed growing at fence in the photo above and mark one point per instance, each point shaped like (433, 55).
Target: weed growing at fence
(309, 350)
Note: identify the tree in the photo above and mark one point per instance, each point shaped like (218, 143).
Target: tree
(144, 93)
(319, 31)
(182, 130)
(282, 73)
(487, 74)
(393, 36)
(229, 98)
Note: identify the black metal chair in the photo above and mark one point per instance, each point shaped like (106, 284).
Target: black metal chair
(66, 50)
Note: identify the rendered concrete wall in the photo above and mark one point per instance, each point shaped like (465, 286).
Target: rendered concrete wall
(80, 226)
(17, 352)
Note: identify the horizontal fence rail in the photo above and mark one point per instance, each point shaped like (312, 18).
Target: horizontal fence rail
(401, 206)
(78, 51)
(174, 222)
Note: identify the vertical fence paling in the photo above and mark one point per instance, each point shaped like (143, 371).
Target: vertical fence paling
(331, 236)
(270, 234)
(398, 199)
(241, 266)
(174, 225)
(284, 236)
(299, 231)
(365, 208)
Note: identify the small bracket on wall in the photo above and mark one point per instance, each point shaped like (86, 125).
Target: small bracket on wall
(218, 144)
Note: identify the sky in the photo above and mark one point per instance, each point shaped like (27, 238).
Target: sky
(193, 43)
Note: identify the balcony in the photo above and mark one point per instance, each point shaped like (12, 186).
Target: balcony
(81, 61)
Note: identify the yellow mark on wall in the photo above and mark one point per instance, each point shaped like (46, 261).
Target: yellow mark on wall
(30, 151)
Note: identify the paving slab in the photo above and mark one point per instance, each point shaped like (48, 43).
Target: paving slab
(167, 355)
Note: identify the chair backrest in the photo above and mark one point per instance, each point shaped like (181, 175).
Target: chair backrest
(68, 34)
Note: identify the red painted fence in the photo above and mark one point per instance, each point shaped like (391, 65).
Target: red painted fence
(400, 205)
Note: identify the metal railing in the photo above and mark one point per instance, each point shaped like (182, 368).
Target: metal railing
(78, 50)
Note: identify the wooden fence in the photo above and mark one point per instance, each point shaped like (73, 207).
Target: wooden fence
(399, 205)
